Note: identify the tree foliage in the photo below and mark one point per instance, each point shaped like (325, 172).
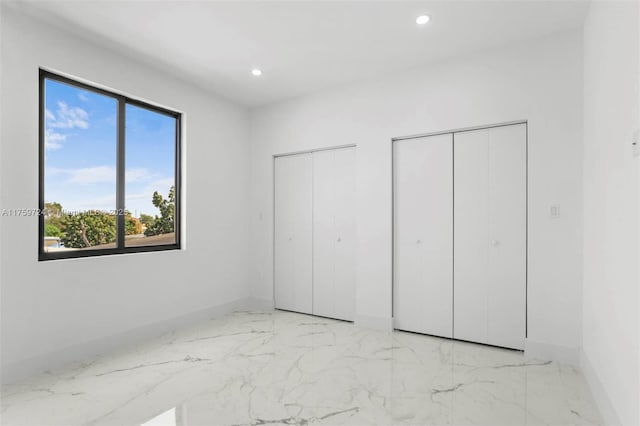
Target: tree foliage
(94, 227)
(132, 226)
(53, 216)
(52, 209)
(146, 219)
(52, 230)
(163, 224)
(88, 229)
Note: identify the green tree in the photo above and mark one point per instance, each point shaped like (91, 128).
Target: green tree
(53, 216)
(132, 225)
(165, 223)
(146, 219)
(88, 229)
(52, 230)
(52, 209)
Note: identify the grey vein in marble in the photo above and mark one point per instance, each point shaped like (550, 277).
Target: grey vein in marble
(281, 368)
(188, 358)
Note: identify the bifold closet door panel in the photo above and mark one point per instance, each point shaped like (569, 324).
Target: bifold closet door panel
(471, 235)
(293, 233)
(490, 236)
(334, 232)
(423, 235)
(508, 233)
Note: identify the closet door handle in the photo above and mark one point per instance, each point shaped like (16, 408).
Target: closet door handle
(339, 239)
(290, 238)
(495, 243)
(418, 241)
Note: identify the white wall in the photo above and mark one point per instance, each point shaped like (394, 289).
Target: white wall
(611, 214)
(49, 306)
(540, 81)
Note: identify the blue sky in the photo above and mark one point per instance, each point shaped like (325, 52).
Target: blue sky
(80, 151)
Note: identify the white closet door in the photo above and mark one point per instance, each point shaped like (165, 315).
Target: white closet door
(490, 236)
(423, 235)
(334, 232)
(293, 229)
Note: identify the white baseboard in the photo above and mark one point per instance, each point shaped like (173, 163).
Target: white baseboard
(598, 392)
(16, 371)
(550, 352)
(377, 323)
(259, 304)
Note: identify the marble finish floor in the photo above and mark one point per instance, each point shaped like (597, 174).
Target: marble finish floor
(281, 368)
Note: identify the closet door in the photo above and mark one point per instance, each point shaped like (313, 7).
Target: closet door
(292, 233)
(334, 231)
(490, 236)
(423, 235)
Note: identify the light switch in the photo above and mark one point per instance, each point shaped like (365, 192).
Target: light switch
(554, 211)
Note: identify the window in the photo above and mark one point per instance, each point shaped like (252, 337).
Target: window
(109, 172)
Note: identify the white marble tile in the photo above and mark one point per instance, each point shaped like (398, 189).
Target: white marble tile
(255, 368)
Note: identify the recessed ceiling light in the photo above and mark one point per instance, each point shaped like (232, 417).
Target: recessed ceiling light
(423, 19)
(256, 72)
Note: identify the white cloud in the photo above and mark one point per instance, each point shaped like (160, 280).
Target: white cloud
(98, 174)
(73, 203)
(161, 185)
(86, 175)
(133, 175)
(67, 118)
(104, 202)
(83, 97)
(91, 175)
(53, 140)
(64, 118)
(137, 196)
(139, 199)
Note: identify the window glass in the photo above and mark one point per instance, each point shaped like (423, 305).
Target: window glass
(150, 177)
(80, 144)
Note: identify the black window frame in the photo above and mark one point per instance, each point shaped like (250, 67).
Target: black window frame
(122, 102)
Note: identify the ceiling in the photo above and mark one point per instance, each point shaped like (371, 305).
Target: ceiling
(302, 46)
